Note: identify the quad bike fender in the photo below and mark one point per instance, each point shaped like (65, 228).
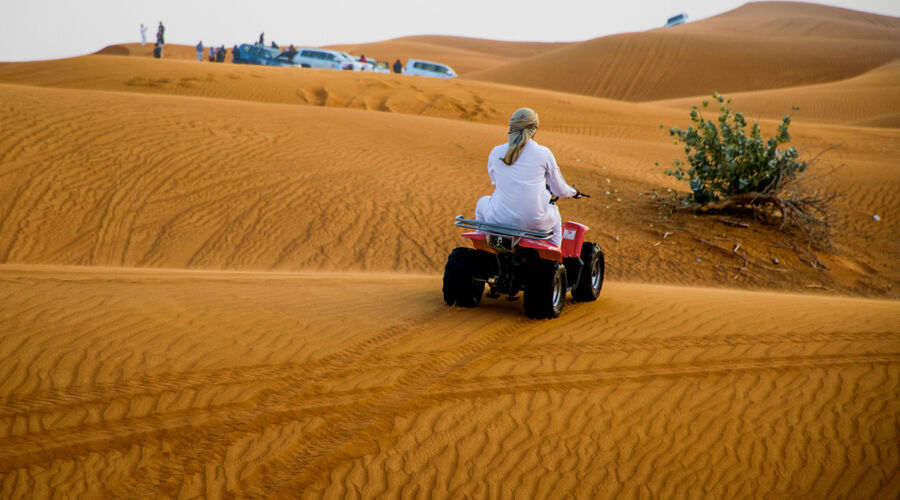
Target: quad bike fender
(544, 249)
(573, 237)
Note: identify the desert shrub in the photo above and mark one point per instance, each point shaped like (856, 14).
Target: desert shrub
(728, 169)
(724, 161)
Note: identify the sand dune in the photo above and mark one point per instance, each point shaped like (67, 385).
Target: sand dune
(171, 51)
(801, 19)
(215, 183)
(464, 55)
(179, 383)
(755, 47)
(496, 48)
(870, 99)
(224, 281)
(367, 91)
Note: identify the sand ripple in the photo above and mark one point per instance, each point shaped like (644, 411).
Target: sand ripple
(434, 399)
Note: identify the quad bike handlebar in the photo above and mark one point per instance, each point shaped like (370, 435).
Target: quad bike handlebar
(578, 196)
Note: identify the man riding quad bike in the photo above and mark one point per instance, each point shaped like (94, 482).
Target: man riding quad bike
(519, 241)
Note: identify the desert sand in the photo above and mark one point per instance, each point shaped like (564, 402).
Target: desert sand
(221, 280)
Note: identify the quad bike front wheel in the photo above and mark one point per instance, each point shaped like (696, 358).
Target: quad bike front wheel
(459, 285)
(591, 280)
(545, 289)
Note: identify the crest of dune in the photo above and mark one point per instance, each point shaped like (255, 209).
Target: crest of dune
(224, 281)
(758, 46)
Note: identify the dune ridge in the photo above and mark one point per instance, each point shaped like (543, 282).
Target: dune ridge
(464, 55)
(172, 51)
(870, 99)
(220, 280)
(758, 46)
(249, 185)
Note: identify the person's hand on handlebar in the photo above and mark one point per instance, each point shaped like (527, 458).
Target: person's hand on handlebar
(579, 194)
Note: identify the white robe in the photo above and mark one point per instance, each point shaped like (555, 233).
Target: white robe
(520, 195)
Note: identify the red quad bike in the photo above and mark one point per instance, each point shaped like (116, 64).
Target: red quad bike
(511, 259)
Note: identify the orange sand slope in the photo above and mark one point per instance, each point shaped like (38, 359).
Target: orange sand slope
(224, 281)
(171, 51)
(456, 99)
(464, 55)
(171, 181)
(758, 46)
(871, 99)
(179, 383)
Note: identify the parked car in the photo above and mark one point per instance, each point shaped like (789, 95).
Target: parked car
(676, 20)
(325, 58)
(428, 68)
(374, 66)
(263, 56)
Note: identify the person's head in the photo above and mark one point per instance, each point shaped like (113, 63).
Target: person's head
(523, 118)
(523, 124)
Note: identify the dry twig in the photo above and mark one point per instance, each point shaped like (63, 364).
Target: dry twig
(810, 258)
(732, 222)
(729, 252)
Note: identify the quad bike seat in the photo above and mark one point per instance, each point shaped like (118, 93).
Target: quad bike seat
(499, 238)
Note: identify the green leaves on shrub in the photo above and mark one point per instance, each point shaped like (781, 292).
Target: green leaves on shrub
(723, 160)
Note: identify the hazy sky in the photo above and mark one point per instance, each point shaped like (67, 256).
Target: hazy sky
(48, 29)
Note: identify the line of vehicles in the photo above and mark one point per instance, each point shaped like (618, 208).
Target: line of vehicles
(333, 59)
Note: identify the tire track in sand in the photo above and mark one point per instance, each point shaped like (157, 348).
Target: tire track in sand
(287, 388)
(349, 429)
(371, 417)
(102, 394)
(259, 412)
(370, 411)
(362, 423)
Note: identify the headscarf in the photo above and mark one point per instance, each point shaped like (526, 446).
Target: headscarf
(522, 126)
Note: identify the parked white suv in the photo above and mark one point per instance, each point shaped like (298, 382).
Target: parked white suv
(324, 58)
(374, 66)
(428, 68)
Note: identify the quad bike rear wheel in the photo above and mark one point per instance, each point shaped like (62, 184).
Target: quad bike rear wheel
(459, 285)
(591, 280)
(545, 289)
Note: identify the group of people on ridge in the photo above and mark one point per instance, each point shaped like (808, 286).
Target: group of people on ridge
(216, 54)
(160, 39)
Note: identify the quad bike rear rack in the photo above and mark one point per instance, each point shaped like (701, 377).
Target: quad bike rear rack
(503, 231)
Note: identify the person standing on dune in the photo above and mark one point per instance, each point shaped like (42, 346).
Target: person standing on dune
(521, 172)
(200, 51)
(143, 35)
(161, 34)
